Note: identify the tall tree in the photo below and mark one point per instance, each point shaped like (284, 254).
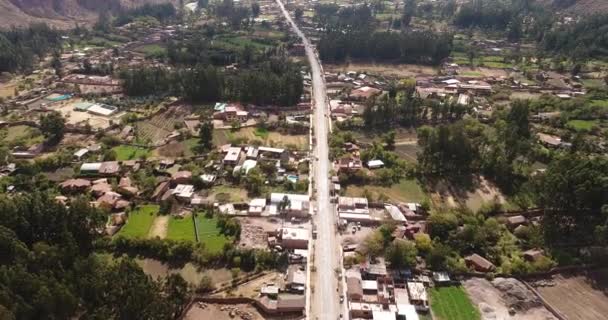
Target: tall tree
(52, 126)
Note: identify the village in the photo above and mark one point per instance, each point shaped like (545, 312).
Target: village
(223, 188)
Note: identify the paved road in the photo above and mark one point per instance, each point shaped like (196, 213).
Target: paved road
(325, 301)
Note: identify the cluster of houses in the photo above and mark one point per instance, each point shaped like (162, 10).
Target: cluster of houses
(374, 292)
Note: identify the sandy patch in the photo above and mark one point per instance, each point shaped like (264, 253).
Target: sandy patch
(159, 227)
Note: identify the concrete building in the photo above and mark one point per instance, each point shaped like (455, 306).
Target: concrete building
(233, 156)
(294, 238)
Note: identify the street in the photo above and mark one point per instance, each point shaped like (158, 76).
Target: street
(324, 301)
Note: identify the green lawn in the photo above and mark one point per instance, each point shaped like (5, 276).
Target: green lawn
(582, 125)
(152, 49)
(452, 303)
(181, 229)
(125, 152)
(209, 234)
(406, 190)
(261, 132)
(21, 135)
(139, 222)
(600, 103)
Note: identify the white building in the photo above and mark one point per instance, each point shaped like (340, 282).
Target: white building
(184, 191)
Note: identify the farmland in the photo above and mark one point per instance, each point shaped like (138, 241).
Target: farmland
(181, 229)
(405, 191)
(139, 222)
(156, 129)
(126, 152)
(268, 138)
(580, 296)
(20, 135)
(452, 303)
(209, 234)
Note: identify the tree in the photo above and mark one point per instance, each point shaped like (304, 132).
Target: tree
(255, 9)
(255, 181)
(299, 13)
(441, 225)
(401, 254)
(206, 135)
(389, 140)
(409, 9)
(52, 126)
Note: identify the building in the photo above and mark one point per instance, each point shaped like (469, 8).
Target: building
(298, 205)
(100, 168)
(417, 295)
(267, 153)
(75, 185)
(363, 309)
(353, 205)
(375, 164)
(533, 254)
(229, 113)
(102, 110)
(354, 289)
(181, 177)
(294, 238)
(383, 315)
(233, 156)
(256, 206)
(348, 164)
(395, 213)
(80, 153)
(296, 279)
(479, 263)
(364, 93)
(184, 191)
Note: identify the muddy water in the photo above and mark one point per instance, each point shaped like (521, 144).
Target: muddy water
(189, 271)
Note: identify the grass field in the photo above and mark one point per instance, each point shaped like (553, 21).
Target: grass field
(233, 194)
(125, 152)
(139, 222)
(152, 49)
(181, 229)
(268, 138)
(404, 191)
(452, 303)
(21, 135)
(582, 125)
(209, 234)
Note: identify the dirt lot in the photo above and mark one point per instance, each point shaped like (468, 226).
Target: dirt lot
(220, 312)
(577, 296)
(79, 117)
(399, 70)
(251, 289)
(495, 299)
(159, 227)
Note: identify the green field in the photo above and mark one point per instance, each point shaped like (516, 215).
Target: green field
(181, 229)
(600, 103)
(152, 49)
(406, 190)
(21, 135)
(209, 234)
(452, 303)
(582, 125)
(125, 152)
(139, 222)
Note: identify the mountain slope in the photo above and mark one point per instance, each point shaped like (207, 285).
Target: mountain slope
(61, 13)
(578, 7)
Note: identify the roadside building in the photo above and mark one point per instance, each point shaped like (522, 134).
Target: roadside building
(298, 205)
(294, 238)
(354, 289)
(256, 206)
(364, 93)
(296, 279)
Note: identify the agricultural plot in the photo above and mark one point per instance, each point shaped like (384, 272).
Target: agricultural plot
(20, 136)
(156, 129)
(209, 233)
(181, 229)
(452, 303)
(268, 138)
(125, 152)
(582, 125)
(579, 296)
(405, 191)
(223, 194)
(139, 222)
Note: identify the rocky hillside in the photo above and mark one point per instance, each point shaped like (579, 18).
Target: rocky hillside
(577, 7)
(61, 13)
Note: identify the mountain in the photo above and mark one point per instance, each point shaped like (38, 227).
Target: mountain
(61, 13)
(577, 7)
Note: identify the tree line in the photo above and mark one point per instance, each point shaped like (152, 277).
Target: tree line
(21, 48)
(274, 82)
(425, 47)
(50, 270)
